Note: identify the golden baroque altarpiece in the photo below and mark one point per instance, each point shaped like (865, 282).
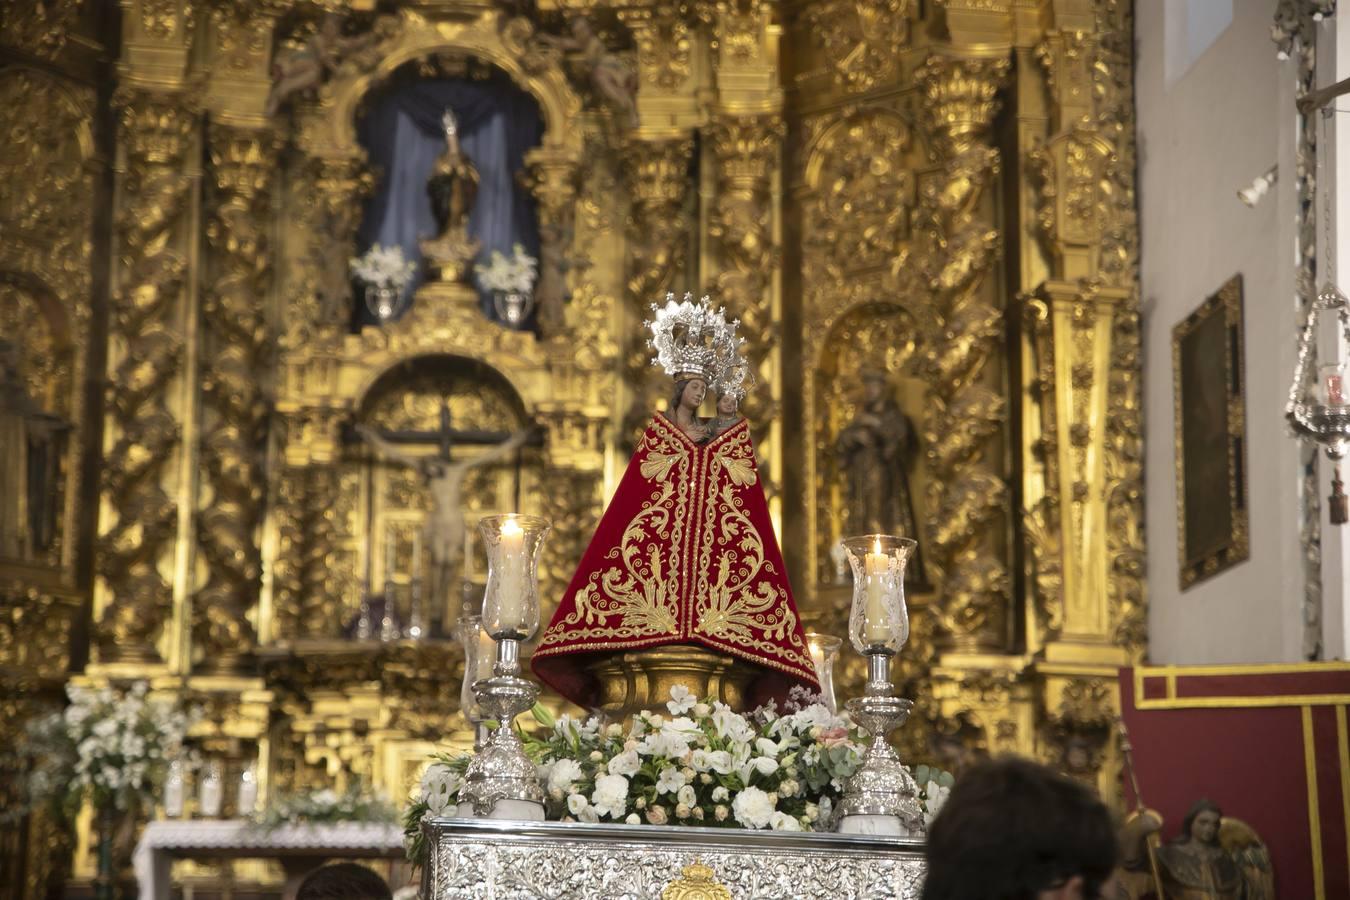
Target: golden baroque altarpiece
(939, 192)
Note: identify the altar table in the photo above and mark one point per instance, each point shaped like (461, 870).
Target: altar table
(492, 859)
(299, 848)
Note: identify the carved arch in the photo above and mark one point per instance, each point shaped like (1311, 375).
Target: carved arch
(504, 44)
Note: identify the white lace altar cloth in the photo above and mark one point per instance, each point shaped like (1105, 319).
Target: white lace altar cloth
(299, 847)
(492, 859)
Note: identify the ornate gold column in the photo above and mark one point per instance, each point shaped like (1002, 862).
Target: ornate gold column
(236, 356)
(745, 152)
(144, 543)
(967, 499)
(1081, 421)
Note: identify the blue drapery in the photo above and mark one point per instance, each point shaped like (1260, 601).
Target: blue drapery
(403, 136)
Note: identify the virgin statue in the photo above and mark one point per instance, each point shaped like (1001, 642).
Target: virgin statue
(684, 556)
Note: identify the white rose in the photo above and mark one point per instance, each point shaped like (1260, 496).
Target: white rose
(702, 710)
(633, 819)
(657, 815)
(588, 815)
(752, 808)
(698, 813)
(564, 775)
(610, 797)
(681, 811)
(681, 700)
(686, 795)
(789, 787)
(719, 794)
(720, 813)
(781, 821)
(626, 763)
(576, 803)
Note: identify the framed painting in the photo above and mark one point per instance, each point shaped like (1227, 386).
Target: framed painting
(1210, 434)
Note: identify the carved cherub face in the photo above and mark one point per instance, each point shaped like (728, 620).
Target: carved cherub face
(694, 392)
(1205, 827)
(726, 404)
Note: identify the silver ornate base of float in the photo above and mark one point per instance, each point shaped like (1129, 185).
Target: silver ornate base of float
(504, 860)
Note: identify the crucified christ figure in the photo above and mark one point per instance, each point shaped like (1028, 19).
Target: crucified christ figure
(443, 534)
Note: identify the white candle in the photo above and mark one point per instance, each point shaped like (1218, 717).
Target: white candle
(487, 655)
(210, 792)
(817, 658)
(248, 792)
(876, 569)
(173, 790)
(511, 581)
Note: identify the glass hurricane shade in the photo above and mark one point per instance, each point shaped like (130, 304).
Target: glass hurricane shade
(879, 621)
(511, 601)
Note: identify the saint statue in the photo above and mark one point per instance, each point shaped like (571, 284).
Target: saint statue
(1213, 858)
(443, 532)
(452, 188)
(685, 553)
(873, 451)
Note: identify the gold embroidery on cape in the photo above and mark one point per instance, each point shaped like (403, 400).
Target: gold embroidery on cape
(735, 605)
(642, 590)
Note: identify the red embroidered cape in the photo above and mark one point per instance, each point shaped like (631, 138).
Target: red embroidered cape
(684, 554)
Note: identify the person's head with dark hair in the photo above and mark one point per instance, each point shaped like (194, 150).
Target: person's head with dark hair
(343, 881)
(1015, 830)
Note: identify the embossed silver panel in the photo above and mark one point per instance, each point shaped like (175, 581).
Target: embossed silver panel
(501, 860)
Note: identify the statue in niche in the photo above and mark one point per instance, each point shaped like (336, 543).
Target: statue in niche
(609, 75)
(873, 451)
(1214, 858)
(684, 555)
(452, 188)
(30, 458)
(303, 68)
(443, 532)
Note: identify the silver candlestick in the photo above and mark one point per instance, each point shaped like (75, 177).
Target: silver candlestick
(500, 769)
(501, 780)
(881, 797)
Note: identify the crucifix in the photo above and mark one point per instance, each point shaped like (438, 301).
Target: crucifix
(443, 533)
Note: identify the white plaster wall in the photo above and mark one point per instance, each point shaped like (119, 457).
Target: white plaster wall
(1222, 121)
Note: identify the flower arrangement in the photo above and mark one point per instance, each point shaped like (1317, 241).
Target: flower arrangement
(514, 275)
(327, 807)
(111, 746)
(703, 765)
(383, 267)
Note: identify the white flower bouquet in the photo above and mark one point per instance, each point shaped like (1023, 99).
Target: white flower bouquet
(112, 746)
(383, 267)
(327, 807)
(514, 275)
(703, 765)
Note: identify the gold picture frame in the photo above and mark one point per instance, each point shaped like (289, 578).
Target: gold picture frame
(1210, 434)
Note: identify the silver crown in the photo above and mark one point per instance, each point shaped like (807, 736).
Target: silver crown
(737, 379)
(693, 338)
